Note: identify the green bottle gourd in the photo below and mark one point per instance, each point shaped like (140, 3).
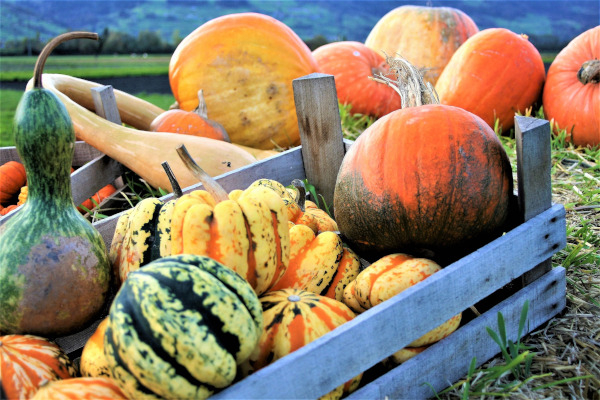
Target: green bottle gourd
(54, 271)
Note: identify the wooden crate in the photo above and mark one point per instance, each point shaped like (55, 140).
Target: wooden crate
(518, 260)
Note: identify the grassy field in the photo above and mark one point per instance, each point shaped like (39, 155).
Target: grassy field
(88, 67)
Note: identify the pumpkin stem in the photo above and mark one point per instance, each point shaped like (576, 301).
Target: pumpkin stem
(211, 186)
(201, 110)
(41, 60)
(299, 185)
(172, 179)
(589, 72)
(409, 83)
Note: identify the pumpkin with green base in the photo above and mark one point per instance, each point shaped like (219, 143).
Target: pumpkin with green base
(179, 327)
(55, 273)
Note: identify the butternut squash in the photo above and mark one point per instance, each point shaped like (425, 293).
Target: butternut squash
(137, 148)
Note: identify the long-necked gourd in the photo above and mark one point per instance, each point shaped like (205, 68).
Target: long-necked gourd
(55, 272)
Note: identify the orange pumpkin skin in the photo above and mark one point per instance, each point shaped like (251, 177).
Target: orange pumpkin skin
(424, 36)
(12, 178)
(26, 361)
(100, 195)
(494, 74)
(575, 106)
(351, 64)
(430, 180)
(187, 123)
(245, 64)
(82, 388)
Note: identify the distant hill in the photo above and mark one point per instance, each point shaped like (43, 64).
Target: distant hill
(548, 23)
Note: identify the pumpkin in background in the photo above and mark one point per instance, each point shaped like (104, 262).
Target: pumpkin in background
(572, 90)
(97, 198)
(294, 318)
(494, 74)
(12, 178)
(392, 274)
(351, 64)
(245, 64)
(26, 361)
(425, 36)
(194, 122)
(431, 180)
(179, 327)
(92, 362)
(82, 388)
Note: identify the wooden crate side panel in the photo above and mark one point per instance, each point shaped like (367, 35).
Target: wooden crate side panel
(395, 323)
(83, 154)
(448, 360)
(283, 167)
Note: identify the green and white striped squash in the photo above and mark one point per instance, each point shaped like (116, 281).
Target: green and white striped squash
(179, 327)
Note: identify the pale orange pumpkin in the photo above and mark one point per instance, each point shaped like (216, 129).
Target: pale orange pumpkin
(425, 36)
(352, 64)
(245, 64)
(572, 91)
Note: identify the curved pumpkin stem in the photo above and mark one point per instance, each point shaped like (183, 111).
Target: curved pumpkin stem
(202, 111)
(211, 186)
(409, 83)
(299, 185)
(41, 60)
(589, 72)
(174, 184)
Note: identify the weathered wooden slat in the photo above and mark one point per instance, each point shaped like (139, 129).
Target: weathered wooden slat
(395, 323)
(283, 167)
(83, 154)
(534, 176)
(448, 360)
(93, 176)
(320, 131)
(105, 103)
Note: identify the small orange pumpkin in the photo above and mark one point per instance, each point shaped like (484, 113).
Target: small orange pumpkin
(97, 198)
(82, 388)
(12, 178)
(195, 123)
(26, 361)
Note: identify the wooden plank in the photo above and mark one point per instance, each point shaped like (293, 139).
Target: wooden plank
(448, 360)
(320, 131)
(534, 163)
(396, 322)
(105, 103)
(83, 154)
(284, 168)
(93, 176)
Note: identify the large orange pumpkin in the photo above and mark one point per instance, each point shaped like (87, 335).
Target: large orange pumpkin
(245, 64)
(425, 36)
(351, 64)
(494, 74)
(433, 180)
(572, 91)
(26, 361)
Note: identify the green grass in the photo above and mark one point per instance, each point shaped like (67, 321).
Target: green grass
(86, 67)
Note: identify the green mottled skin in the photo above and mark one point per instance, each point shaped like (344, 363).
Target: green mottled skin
(179, 327)
(44, 138)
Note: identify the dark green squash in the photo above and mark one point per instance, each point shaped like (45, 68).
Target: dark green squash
(55, 272)
(179, 327)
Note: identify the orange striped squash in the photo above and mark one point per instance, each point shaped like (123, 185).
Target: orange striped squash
(86, 388)
(26, 361)
(293, 318)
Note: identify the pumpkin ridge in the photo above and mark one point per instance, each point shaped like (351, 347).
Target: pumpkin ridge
(145, 335)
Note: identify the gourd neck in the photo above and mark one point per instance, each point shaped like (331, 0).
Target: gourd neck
(589, 72)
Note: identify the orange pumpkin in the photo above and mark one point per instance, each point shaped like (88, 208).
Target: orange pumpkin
(26, 361)
(494, 74)
(83, 388)
(6, 210)
(351, 64)
(572, 91)
(12, 178)
(425, 36)
(432, 180)
(245, 64)
(97, 198)
(195, 123)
